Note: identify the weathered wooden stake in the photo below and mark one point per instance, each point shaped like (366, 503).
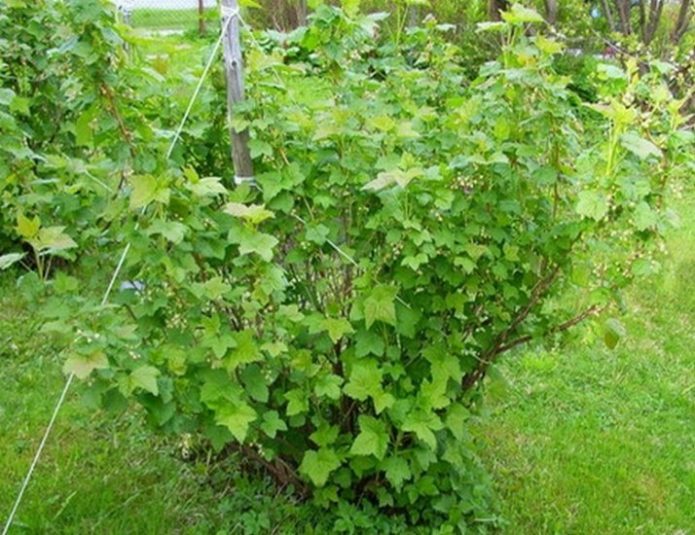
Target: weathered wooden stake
(234, 71)
(201, 17)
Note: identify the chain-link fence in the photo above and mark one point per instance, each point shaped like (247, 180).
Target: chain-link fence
(181, 15)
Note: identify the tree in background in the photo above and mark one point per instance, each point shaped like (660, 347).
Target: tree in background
(283, 15)
(620, 17)
(495, 9)
(685, 16)
(551, 11)
(201, 17)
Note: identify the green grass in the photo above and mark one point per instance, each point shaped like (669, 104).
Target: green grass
(171, 19)
(96, 471)
(588, 440)
(101, 472)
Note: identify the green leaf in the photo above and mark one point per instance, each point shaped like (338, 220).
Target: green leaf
(521, 15)
(423, 424)
(640, 147)
(258, 147)
(382, 401)
(83, 129)
(351, 7)
(274, 349)
(27, 228)
(397, 471)
(328, 385)
(611, 72)
(246, 350)
(253, 213)
(549, 46)
(511, 252)
(373, 438)
(52, 239)
(337, 328)
(318, 465)
(171, 230)
(219, 388)
(382, 122)
(592, 204)
(7, 260)
(206, 187)
(325, 435)
(218, 435)
(252, 241)
(83, 365)
(415, 261)
(406, 130)
(236, 417)
(6, 96)
(432, 394)
(408, 319)
(145, 377)
(214, 288)
(492, 26)
(645, 217)
(219, 343)
(643, 267)
(379, 306)
(368, 343)
(147, 189)
(456, 419)
(20, 105)
(365, 380)
(297, 402)
(443, 364)
(389, 178)
(317, 233)
(614, 331)
(272, 423)
(383, 180)
(616, 111)
(255, 383)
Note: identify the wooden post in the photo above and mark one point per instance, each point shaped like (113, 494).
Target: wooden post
(234, 71)
(201, 17)
(551, 11)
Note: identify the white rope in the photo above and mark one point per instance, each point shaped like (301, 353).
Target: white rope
(56, 409)
(225, 25)
(109, 288)
(227, 11)
(116, 272)
(25, 483)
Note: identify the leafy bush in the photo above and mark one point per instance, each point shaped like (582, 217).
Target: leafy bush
(73, 121)
(407, 227)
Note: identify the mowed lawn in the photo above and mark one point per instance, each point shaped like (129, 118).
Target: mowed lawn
(172, 19)
(583, 439)
(579, 439)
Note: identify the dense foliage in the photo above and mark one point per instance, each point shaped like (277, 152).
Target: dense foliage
(333, 321)
(73, 121)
